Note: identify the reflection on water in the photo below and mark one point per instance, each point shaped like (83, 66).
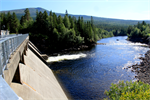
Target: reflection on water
(89, 75)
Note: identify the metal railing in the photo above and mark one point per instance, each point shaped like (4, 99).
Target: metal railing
(8, 44)
(3, 36)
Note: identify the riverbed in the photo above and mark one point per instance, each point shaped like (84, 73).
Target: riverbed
(87, 74)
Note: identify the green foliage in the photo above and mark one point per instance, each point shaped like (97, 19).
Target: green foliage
(79, 40)
(27, 14)
(26, 22)
(67, 22)
(120, 32)
(55, 32)
(10, 22)
(129, 91)
(141, 30)
(45, 15)
(14, 24)
(135, 33)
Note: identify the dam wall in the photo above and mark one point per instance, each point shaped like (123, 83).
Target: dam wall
(27, 77)
(37, 81)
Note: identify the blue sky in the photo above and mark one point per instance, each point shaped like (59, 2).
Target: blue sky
(120, 9)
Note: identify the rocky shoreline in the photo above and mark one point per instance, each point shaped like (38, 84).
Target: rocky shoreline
(142, 70)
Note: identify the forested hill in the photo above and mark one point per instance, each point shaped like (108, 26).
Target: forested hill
(52, 32)
(99, 21)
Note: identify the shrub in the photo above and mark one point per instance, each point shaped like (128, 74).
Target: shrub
(129, 91)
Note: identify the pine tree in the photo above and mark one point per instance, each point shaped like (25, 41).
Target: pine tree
(26, 22)
(82, 19)
(71, 22)
(79, 24)
(39, 22)
(92, 22)
(3, 22)
(37, 14)
(45, 15)
(14, 23)
(67, 22)
(27, 14)
(54, 20)
(59, 20)
(143, 23)
(51, 13)
(8, 21)
(66, 13)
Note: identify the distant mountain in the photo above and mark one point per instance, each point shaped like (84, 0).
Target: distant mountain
(20, 12)
(97, 20)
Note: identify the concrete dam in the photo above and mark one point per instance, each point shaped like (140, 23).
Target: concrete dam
(24, 74)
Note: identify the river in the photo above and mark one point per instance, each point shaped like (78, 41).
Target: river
(87, 74)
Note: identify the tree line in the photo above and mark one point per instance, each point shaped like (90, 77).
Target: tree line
(52, 32)
(139, 32)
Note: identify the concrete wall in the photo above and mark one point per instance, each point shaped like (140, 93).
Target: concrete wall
(37, 81)
(35, 50)
(30, 78)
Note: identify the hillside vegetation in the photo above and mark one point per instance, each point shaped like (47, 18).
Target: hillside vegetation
(52, 33)
(139, 32)
(56, 31)
(108, 24)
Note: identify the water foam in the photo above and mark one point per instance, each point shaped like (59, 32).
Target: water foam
(128, 43)
(129, 63)
(66, 57)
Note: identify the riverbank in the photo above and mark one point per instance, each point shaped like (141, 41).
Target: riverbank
(142, 70)
(141, 40)
(78, 48)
